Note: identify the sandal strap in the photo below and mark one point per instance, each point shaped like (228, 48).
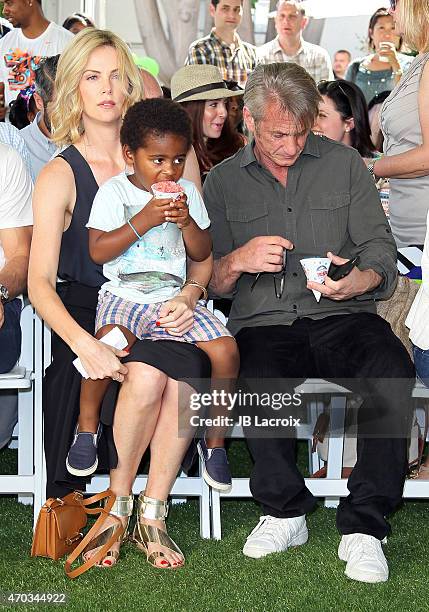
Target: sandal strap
(123, 505)
(154, 535)
(151, 508)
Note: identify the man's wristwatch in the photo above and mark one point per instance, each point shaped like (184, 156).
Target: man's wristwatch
(4, 293)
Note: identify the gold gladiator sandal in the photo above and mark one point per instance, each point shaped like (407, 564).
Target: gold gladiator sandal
(123, 507)
(143, 535)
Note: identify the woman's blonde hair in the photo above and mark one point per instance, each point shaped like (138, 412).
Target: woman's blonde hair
(67, 106)
(414, 17)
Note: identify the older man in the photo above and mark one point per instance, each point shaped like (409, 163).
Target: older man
(37, 134)
(286, 196)
(289, 45)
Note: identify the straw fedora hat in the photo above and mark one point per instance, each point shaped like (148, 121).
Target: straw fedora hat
(199, 82)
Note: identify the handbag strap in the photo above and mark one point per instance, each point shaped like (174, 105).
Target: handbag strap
(104, 513)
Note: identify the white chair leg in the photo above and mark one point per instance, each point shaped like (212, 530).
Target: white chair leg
(336, 444)
(25, 439)
(314, 461)
(39, 455)
(216, 515)
(205, 523)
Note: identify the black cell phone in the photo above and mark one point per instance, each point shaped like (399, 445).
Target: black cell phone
(336, 273)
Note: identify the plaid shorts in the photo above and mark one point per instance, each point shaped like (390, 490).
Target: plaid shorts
(141, 319)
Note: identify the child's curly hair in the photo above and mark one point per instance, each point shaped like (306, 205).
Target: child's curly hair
(155, 117)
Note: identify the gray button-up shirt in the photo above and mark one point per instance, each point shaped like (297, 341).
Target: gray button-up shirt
(330, 203)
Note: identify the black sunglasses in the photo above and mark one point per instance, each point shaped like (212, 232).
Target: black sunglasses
(278, 289)
(393, 5)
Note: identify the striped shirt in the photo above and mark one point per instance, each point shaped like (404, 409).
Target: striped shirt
(313, 58)
(235, 61)
(11, 136)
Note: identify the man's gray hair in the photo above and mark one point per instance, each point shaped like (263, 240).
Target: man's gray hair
(297, 3)
(288, 85)
(44, 79)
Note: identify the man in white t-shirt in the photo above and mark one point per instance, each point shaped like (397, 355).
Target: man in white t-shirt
(16, 221)
(32, 38)
(289, 45)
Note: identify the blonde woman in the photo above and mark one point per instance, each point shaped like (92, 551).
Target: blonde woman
(405, 126)
(96, 83)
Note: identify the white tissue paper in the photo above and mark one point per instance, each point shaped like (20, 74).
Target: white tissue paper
(114, 338)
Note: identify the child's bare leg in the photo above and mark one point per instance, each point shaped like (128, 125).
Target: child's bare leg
(225, 361)
(92, 391)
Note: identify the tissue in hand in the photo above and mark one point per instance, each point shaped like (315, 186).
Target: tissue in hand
(114, 338)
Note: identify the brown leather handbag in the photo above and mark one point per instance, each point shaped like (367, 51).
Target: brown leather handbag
(59, 526)
(59, 529)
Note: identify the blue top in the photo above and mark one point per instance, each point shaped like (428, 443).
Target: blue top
(374, 82)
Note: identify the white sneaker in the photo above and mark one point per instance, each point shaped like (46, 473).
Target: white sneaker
(365, 558)
(275, 535)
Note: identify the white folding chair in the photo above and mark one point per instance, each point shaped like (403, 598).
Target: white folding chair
(22, 378)
(333, 486)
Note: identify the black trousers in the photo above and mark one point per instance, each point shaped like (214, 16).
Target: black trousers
(356, 346)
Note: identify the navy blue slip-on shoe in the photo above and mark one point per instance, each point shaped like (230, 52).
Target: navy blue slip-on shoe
(82, 459)
(216, 472)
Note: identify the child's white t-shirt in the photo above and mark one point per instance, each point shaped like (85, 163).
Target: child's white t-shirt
(154, 268)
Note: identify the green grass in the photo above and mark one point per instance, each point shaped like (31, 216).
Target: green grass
(217, 577)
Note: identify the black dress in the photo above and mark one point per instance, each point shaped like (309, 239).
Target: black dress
(79, 292)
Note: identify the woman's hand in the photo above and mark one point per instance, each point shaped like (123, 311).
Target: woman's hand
(388, 51)
(177, 315)
(100, 360)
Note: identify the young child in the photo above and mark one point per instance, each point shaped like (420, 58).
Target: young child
(143, 243)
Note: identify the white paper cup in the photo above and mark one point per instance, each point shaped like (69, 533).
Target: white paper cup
(162, 195)
(385, 46)
(316, 269)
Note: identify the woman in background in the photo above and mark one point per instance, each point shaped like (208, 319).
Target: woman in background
(343, 116)
(203, 93)
(382, 69)
(77, 22)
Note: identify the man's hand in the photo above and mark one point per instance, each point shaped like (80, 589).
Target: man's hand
(356, 283)
(262, 254)
(1, 314)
